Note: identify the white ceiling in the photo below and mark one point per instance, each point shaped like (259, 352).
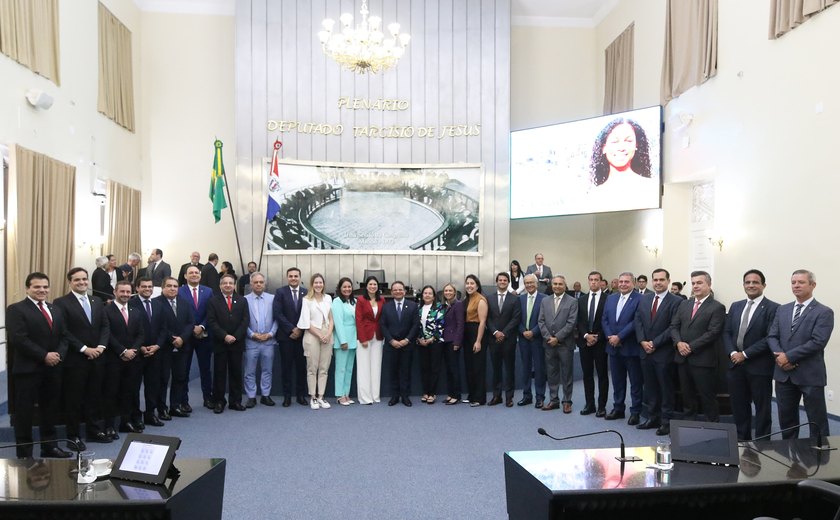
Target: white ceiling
(559, 13)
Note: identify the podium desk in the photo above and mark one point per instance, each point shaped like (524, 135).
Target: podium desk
(42, 489)
(591, 483)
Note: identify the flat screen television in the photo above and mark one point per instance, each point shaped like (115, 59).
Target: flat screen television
(597, 165)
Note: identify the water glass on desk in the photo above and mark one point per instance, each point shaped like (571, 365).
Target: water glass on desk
(663, 454)
(87, 473)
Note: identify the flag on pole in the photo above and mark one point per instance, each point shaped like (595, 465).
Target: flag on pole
(274, 184)
(217, 183)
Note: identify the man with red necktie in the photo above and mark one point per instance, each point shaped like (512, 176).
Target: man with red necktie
(227, 320)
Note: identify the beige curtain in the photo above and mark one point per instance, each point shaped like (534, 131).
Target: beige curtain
(691, 34)
(29, 35)
(116, 83)
(39, 230)
(618, 77)
(786, 15)
(123, 234)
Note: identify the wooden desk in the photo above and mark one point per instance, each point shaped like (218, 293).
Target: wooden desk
(591, 483)
(44, 489)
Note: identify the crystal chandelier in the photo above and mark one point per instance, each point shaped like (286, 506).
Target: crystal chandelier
(365, 48)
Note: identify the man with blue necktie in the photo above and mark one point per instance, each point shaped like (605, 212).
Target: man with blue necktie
(531, 350)
(259, 342)
(400, 324)
(623, 348)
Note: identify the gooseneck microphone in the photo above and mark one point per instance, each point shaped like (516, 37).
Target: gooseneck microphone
(69, 441)
(622, 458)
(813, 427)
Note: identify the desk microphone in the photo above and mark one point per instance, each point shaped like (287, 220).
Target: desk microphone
(622, 458)
(813, 426)
(69, 441)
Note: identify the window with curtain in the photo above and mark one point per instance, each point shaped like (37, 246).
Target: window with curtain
(786, 15)
(29, 35)
(116, 83)
(691, 34)
(123, 233)
(40, 221)
(618, 76)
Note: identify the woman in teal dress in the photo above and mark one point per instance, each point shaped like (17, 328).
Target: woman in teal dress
(344, 345)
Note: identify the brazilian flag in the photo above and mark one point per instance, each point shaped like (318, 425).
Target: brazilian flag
(217, 183)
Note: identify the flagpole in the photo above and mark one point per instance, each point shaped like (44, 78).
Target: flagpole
(277, 146)
(232, 215)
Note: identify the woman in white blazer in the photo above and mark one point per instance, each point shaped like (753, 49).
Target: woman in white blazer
(316, 321)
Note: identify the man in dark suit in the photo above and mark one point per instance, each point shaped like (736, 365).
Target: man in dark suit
(543, 273)
(531, 350)
(653, 331)
(592, 345)
(129, 269)
(243, 282)
(37, 345)
(503, 317)
(87, 336)
(750, 374)
(101, 280)
(198, 295)
(575, 292)
(157, 269)
(122, 366)
(177, 351)
(155, 335)
(697, 331)
(228, 318)
(286, 310)
(400, 324)
(798, 338)
(641, 285)
(558, 316)
(209, 274)
(195, 259)
(623, 349)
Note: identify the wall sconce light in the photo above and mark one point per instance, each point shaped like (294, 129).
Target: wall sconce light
(651, 247)
(716, 240)
(94, 245)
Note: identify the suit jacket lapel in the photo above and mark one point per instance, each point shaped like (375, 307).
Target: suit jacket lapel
(759, 313)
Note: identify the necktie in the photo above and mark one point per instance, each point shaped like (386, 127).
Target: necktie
(796, 316)
(152, 270)
(539, 271)
(148, 305)
(529, 308)
(592, 311)
(399, 310)
(694, 310)
(86, 307)
(620, 306)
(174, 306)
(46, 314)
(742, 330)
(124, 313)
(655, 308)
(229, 303)
(195, 297)
(557, 303)
(501, 301)
(294, 296)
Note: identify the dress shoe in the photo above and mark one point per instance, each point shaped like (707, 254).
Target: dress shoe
(550, 406)
(100, 437)
(538, 404)
(406, 401)
(237, 407)
(252, 402)
(614, 414)
(493, 402)
(648, 425)
(128, 427)
(567, 407)
(601, 413)
(164, 415)
(54, 452)
(302, 401)
(76, 444)
(587, 410)
(140, 425)
(178, 411)
(266, 400)
(154, 421)
(394, 400)
(209, 404)
(219, 408)
(287, 402)
(665, 429)
(112, 434)
(633, 420)
(186, 408)
(509, 402)
(525, 401)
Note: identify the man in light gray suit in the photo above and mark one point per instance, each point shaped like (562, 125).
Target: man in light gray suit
(558, 317)
(542, 271)
(798, 336)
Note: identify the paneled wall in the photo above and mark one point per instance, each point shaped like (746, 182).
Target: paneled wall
(456, 71)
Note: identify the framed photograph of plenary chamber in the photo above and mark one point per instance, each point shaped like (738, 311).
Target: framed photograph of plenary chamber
(375, 208)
